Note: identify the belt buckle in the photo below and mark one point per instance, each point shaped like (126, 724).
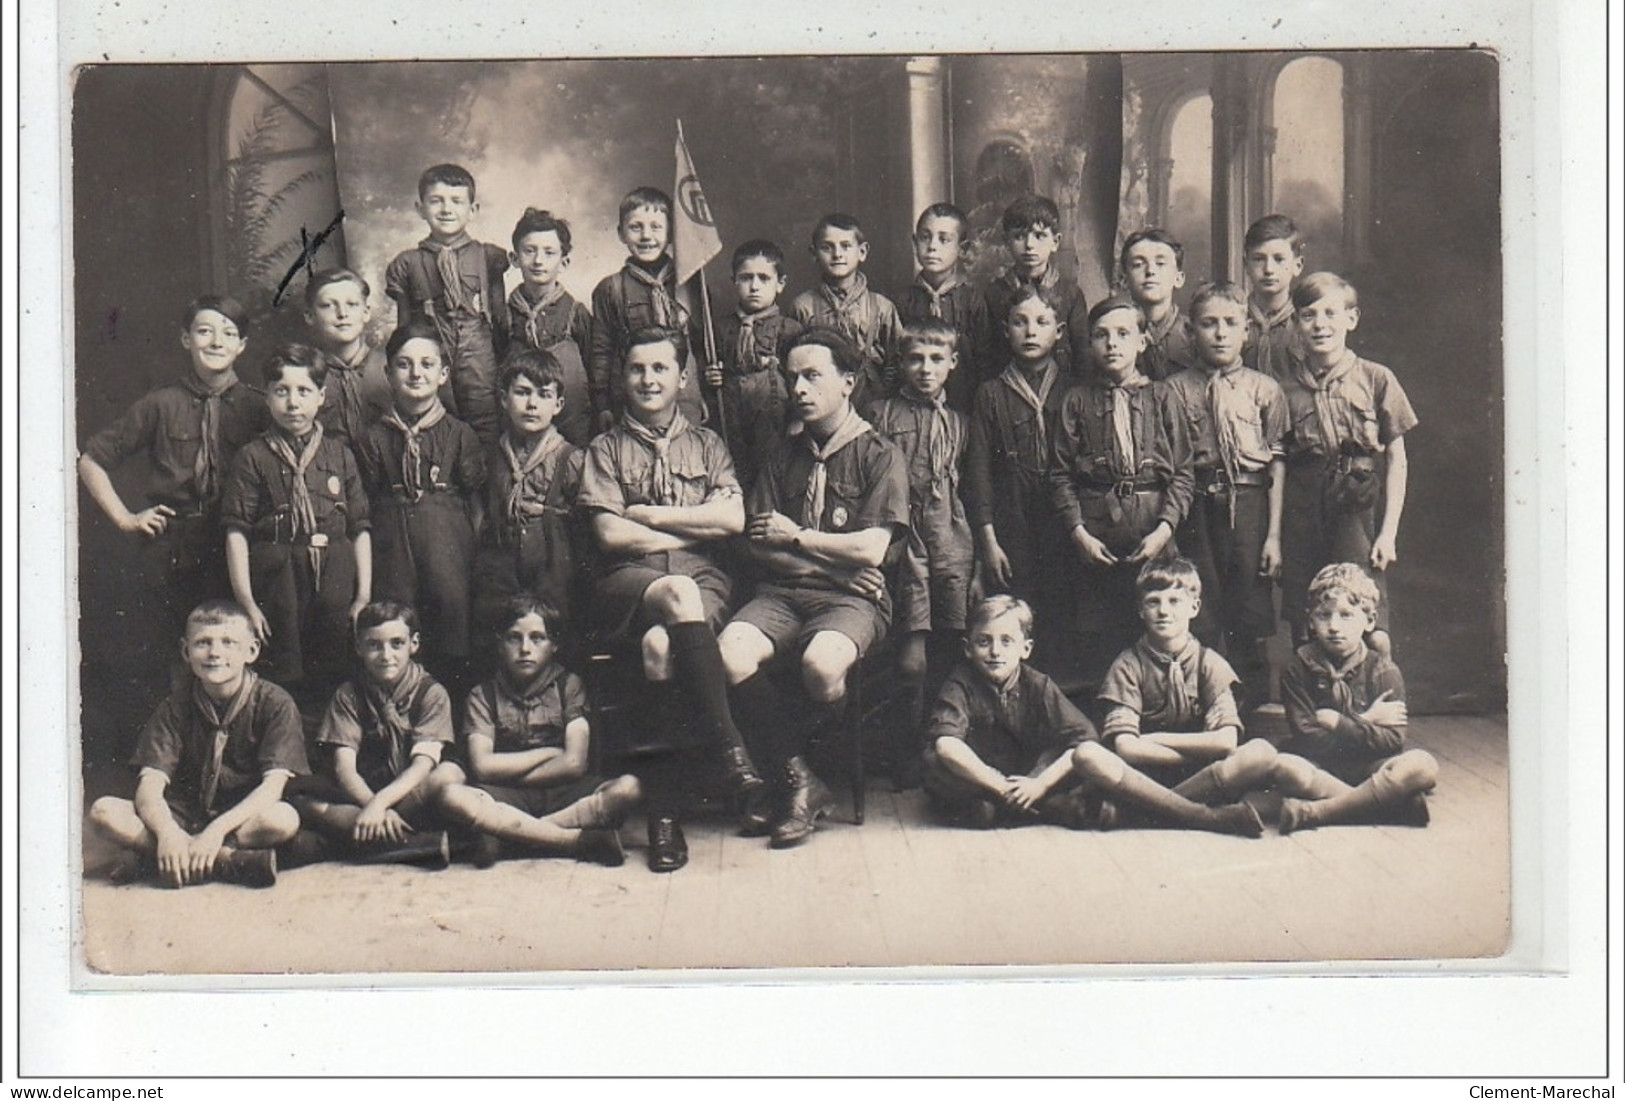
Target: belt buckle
(1124, 488)
(319, 541)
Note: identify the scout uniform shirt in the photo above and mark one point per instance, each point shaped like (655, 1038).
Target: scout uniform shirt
(1168, 348)
(754, 394)
(1310, 682)
(534, 718)
(1148, 690)
(866, 318)
(1009, 730)
(958, 303)
(216, 753)
(558, 324)
(1072, 351)
(387, 728)
(356, 395)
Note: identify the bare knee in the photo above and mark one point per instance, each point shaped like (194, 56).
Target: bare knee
(272, 826)
(108, 810)
(744, 649)
(1095, 763)
(1292, 773)
(674, 599)
(657, 654)
(1254, 761)
(1413, 771)
(824, 666)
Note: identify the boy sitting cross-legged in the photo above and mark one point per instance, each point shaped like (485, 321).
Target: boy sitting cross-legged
(1171, 718)
(214, 760)
(385, 731)
(1345, 758)
(1001, 740)
(526, 740)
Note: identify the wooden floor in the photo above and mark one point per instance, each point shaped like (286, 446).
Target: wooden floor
(897, 891)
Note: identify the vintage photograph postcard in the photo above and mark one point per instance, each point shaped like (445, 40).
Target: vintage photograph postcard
(726, 514)
(1213, 677)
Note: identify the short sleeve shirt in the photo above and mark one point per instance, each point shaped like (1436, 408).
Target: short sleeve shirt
(1355, 400)
(619, 470)
(1252, 401)
(264, 737)
(259, 496)
(381, 753)
(167, 424)
(1136, 689)
(535, 718)
(866, 487)
(1012, 730)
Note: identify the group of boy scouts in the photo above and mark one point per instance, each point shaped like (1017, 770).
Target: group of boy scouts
(390, 567)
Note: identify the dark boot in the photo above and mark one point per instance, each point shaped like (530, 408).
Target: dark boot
(600, 846)
(432, 849)
(668, 848)
(479, 848)
(303, 848)
(246, 867)
(808, 801)
(130, 866)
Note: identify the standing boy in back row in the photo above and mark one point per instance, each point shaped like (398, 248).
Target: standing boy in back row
(1032, 233)
(842, 301)
(456, 282)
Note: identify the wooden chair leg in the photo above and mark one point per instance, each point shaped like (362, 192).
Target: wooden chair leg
(854, 712)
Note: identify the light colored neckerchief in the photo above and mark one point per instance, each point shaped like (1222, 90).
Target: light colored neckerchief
(746, 359)
(445, 261)
(412, 449)
(937, 294)
(1266, 334)
(669, 314)
(1123, 425)
(662, 484)
(938, 439)
(219, 721)
(206, 467)
(1321, 387)
(532, 311)
(850, 308)
(304, 509)
(391, 713)
(1339, 678)
(818, 481)
(1017, 381)
(1223, 405)
(1178, 672)
(350, 407)
(520, 466)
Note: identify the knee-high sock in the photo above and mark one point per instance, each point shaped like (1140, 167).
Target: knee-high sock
(698, 662)
(766, 722)
(1134, 786)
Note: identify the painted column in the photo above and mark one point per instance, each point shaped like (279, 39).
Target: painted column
(927, 129)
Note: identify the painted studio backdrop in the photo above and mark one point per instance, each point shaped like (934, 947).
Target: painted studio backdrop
(1389, 159)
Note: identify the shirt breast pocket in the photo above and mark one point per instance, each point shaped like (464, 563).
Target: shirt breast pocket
(843, 498)
(692, 478)
(1362, 417)
(183, 442)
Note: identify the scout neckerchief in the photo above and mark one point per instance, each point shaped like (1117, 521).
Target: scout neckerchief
(304, 510)
(746, 359)
(1267, 341)
(391, 713)
(206, 467)
(818, 481)
(1224, 404)
(412, 448)
(445, 255)
(351, 409)
(853, 310)
(520, 302)
(669, 314)
(938, 433)
(1340, 680)
(662, 485)
(524, 700)
(935, 295)
(1122, 423)
(1179, 671)
(1320, 386)
(1157, 332)
(520, 466)
(218, 718)
(1016, 379)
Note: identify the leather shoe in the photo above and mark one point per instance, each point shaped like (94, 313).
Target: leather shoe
(668, 848)
(809, 801)
(740, 776)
